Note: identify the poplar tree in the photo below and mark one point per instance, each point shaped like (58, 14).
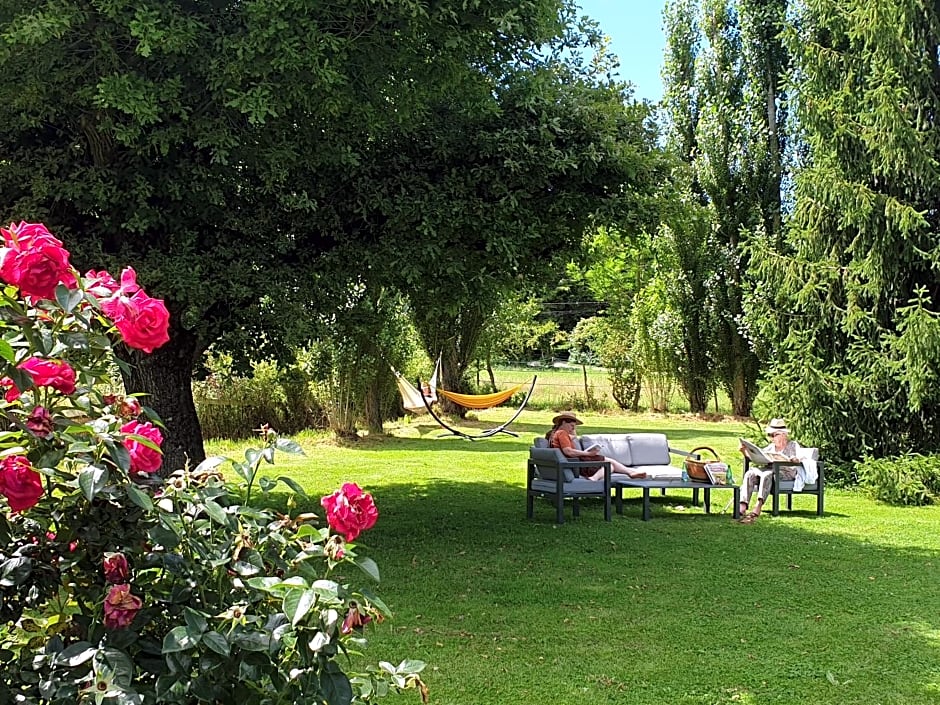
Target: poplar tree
(683, 244)
(856, 312)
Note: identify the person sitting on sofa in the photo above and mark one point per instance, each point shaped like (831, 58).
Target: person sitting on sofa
(563, 435)
(760, 479)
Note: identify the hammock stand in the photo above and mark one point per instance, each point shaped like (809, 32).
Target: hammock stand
(479, 401)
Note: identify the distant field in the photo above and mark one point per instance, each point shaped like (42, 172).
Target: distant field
(558, 387)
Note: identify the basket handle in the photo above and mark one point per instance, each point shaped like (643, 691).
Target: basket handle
(710, 450)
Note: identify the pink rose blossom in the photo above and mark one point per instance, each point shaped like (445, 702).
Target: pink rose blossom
(143, 458)
(57, 374)
(103, 286)
(34, 261)
(142, 321)
(10, 391)
(350, 511)
(130, 408)
(116, 569)
(19, 483)
(356, 619)
(39, 422)
(120, 607)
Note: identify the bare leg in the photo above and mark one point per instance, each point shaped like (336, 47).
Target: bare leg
(618, 467)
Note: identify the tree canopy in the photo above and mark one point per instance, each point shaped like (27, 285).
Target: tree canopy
(243, 152)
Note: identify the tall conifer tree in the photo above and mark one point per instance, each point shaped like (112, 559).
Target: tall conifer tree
(857, 309)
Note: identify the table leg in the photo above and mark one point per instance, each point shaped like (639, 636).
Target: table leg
(708, 500)
(646, 504)
(736, 513)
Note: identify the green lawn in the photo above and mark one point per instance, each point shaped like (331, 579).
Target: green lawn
(686, 608)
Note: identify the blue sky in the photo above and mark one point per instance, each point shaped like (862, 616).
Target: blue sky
(635, 28)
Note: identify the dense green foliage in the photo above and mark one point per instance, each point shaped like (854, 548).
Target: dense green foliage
(253, 158)
(855, 311)
(911, 479)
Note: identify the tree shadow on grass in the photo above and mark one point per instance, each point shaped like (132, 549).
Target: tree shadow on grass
(791, 609)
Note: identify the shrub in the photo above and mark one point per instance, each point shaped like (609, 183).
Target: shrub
(911, 479)
(119, 587)
(235, 406)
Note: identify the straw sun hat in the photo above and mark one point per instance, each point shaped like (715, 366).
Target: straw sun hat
(777, 426)
(566, 416)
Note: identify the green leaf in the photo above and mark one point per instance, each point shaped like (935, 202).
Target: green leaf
(6, 352)
(210, 463)
(297, 603)
(77, 654)
(217, 643)
(268, 455)
(244, 471)
(290, 482)
(139, 497)
(196, 621)
(216, 513)
(179, 639)
(334, 685)
(67, 298)
(119, 454)
(409, 666)
(92, 479)
(288, 446)
(369, 567)
(252, 455)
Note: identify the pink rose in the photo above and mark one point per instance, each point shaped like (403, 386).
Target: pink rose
(350, 511)
(10, 391)
(34, 261)
(356, 619)
(103, 286)
(130, 408)
(142, 321)
(120, 607)
(19, 483)
(57, 374)
(39, 422)
(143, 458)
(116, 569)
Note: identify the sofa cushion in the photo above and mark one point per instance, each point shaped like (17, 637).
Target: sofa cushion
(612, 445)
(659, 472)
(648, 449)
(579, 486)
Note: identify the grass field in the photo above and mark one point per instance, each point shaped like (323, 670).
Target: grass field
(688, 608)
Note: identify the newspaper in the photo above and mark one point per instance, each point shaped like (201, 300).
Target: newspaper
(759, 456)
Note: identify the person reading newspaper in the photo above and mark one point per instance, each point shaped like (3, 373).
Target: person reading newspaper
(563, 435)
(758, 479)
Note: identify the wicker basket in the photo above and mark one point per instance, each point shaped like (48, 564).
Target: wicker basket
(696, 468)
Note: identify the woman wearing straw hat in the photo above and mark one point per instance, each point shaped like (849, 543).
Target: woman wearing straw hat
(760, 479)
(563, 436)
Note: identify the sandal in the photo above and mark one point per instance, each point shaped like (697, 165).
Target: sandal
(748, 518)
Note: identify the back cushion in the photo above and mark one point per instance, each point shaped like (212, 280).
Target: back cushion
(540, 442)
(613, 445)
(649, 449)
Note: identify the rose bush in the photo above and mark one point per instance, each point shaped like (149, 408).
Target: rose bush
(117, 586)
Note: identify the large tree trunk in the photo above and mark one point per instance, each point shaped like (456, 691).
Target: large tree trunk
(166, 377)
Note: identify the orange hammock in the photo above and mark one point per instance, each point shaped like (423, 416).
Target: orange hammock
(479, 401)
